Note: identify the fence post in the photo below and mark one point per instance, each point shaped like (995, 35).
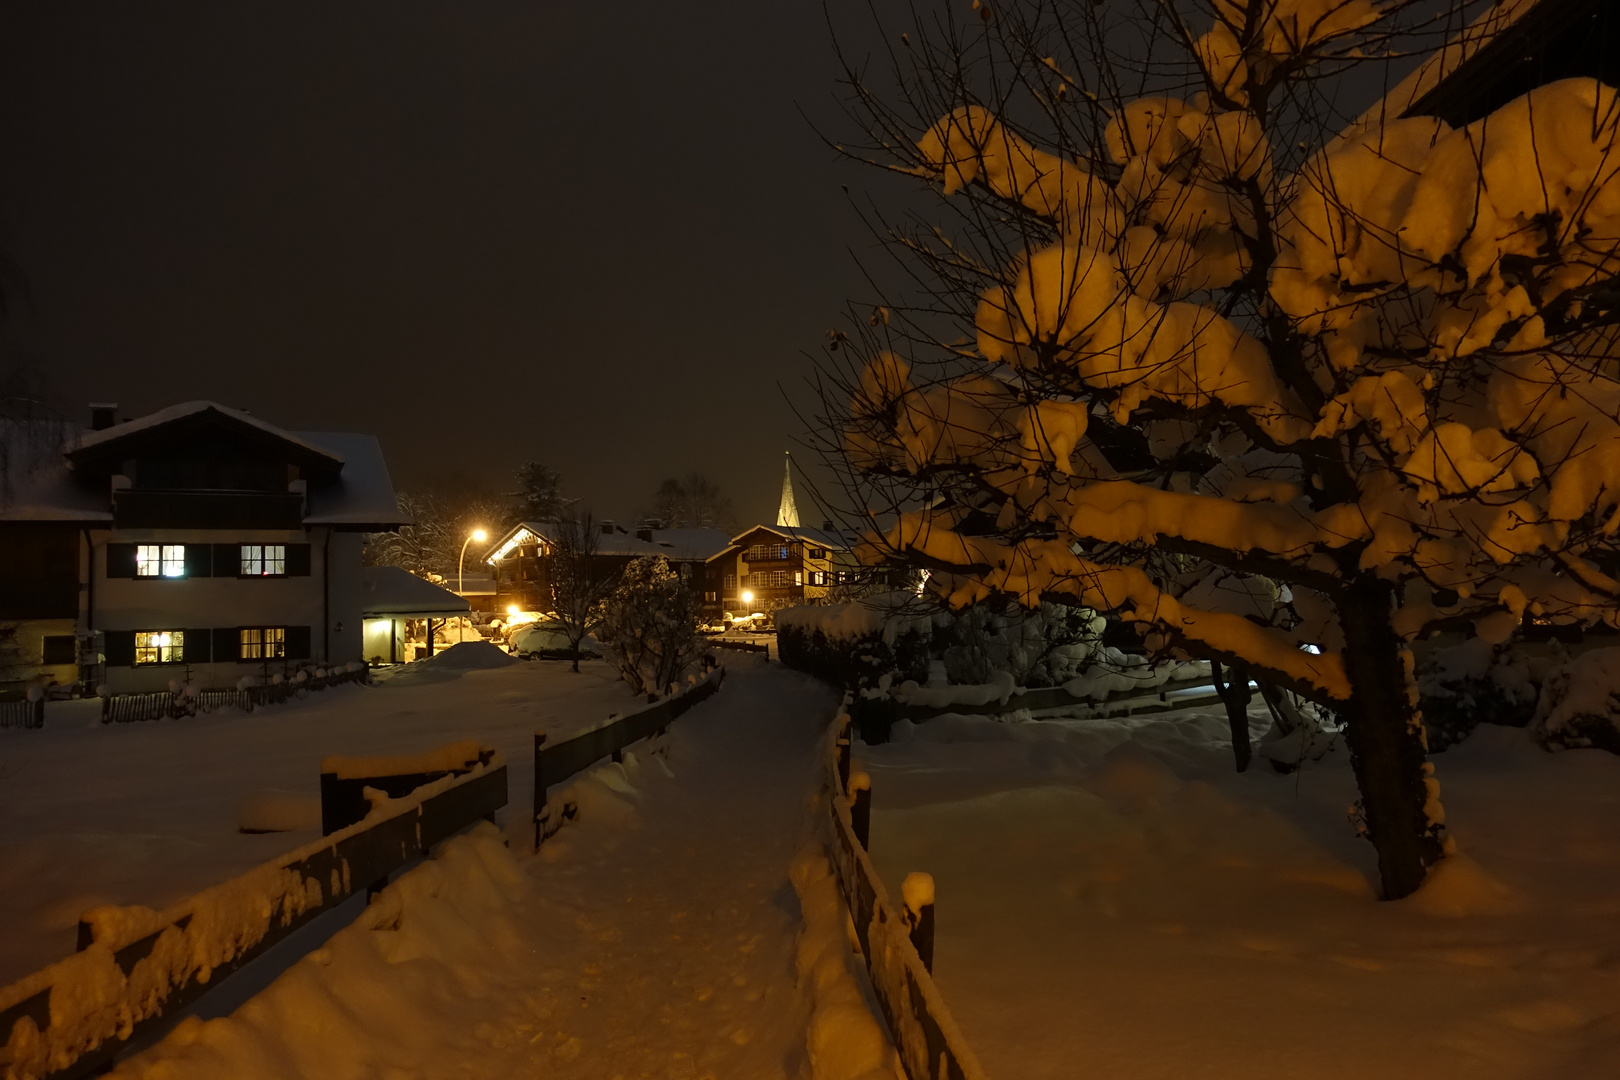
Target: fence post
(843, 757)
(539, 789)
(860, 808)
(917, 893)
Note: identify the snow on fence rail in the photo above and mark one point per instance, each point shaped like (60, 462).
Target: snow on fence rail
(188, 701)
(897, 946)
(743, 646)
(555, 763)
(136, 968)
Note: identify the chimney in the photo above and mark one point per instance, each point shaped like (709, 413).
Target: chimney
(103, 415)
(607, 527)
(827, 525)
(644, 534)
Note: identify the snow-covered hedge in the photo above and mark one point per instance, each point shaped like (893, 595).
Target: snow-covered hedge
(1580, 703)
(856, 644)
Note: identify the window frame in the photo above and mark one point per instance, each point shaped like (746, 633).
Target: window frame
(165, 653)
(261, 558)
(166, 561)
(262, 643)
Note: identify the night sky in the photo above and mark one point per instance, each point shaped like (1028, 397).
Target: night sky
(598, 235)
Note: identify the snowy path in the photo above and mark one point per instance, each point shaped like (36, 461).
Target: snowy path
(652, 938)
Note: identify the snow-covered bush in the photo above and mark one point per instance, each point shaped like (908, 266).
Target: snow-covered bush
(1046, 646)
(1580, 703)
(1470, 684)
(650, 622)
(1180, 315)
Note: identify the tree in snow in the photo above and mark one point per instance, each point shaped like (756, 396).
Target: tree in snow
(693, 501)
(651, 625)
(539, 495)
(1185, 345)
(431, 546)
(580, 582)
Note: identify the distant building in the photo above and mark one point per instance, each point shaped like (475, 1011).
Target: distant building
(775, 566)
(522, 557)
(197, 543)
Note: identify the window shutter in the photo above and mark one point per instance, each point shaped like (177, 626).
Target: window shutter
(120, 646)
(121, 563)
(297, 636)
(297, 563)
(227, 640)
(199, 560)
(195, 647)
(227, 560)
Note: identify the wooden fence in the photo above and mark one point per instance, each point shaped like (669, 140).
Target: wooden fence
(22, 714)
(743, 646)
(1119, 703)
(136, 968)
(897, 944)
(555, 763)
(165, 704)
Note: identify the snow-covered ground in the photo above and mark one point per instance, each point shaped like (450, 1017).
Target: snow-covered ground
(1114, 901)
(654, 936)
(146, 813)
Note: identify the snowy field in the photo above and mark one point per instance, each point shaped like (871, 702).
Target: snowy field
(1115, 901)
(146, 813)
(654, 936)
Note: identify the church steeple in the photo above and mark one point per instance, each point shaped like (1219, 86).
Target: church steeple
(788, 513)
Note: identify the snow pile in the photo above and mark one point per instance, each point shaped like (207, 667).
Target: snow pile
(1580, 703)
(468, 656)
(1123, 673)
(374, 1000)
(844, 1040)
(272, 810)
(999, 689)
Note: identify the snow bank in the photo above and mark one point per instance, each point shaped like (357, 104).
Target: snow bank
(891, 614)
(374, 1000)
(999, 690)
(844, 1041)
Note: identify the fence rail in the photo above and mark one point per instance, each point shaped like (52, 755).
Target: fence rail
(555, 763)
(136, 969)
(897, 944)
(743, 646)
(165, 704)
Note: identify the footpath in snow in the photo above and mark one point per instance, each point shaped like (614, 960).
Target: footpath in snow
(654, 936)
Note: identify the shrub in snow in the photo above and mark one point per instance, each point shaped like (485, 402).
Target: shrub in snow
(1471, 684)
(650, 623)
(856, 644)
(1046, 646)
(1217, 365)
(1580, 703)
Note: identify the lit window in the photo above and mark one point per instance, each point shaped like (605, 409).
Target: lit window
(160, 560)
(159, 646)
(264, 560)
(264, 642)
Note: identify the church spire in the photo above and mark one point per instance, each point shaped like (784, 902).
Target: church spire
(788, 513)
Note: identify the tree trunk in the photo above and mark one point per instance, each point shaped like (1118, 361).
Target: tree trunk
(1235, 695)
(1385, 736)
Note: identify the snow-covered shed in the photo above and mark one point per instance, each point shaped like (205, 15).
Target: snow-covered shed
(197, 543)
(389, 596)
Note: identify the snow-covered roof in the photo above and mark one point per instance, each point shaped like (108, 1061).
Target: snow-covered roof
(363, 493)
(109, 439)
(681, 545)
(389, 592)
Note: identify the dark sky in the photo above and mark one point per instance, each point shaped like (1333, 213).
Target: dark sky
(594, 234)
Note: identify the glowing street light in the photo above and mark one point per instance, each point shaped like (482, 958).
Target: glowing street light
(747, 599)
(480, 536)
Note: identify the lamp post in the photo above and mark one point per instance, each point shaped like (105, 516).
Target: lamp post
(480, 536)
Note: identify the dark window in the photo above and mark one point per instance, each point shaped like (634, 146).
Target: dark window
(60, 649)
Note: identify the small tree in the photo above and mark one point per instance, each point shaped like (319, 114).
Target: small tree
(580, 583)
(651, 625)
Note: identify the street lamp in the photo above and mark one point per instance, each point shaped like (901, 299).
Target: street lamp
(748, 601)
(480, 536)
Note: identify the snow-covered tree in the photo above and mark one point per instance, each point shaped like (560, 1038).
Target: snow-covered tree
(1186, 344)
(431, 546)
(651, 624)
